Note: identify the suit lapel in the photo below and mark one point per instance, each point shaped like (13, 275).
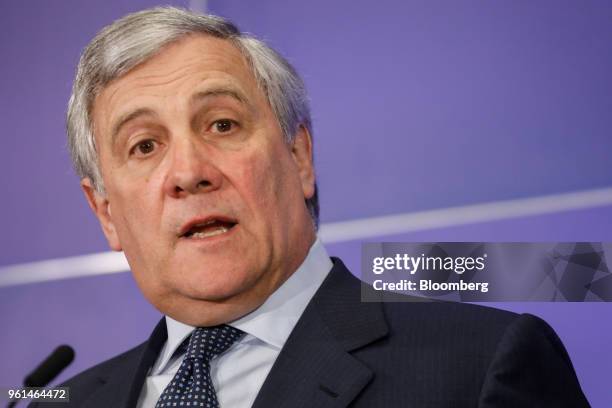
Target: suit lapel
(121, 386)
(315, 367)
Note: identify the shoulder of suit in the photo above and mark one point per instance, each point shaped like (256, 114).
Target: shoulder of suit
(444, 311)
(448, 314)
(465, 328)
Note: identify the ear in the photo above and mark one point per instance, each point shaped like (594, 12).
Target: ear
(100, 205)
(301, 150)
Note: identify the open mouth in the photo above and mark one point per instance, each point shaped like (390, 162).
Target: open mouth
(208, 228)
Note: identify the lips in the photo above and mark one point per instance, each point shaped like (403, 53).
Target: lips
(208, 227)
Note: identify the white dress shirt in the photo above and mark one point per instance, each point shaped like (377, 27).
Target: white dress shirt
(239, 373)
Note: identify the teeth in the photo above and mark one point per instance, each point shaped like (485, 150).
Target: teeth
(205, 234)
(206, 223)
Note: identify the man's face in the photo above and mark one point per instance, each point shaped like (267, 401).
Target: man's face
(203, 194)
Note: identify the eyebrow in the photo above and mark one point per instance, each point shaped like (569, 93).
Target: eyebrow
(223, 91)
(124, 119)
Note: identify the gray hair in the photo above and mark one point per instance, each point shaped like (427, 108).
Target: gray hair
(137, 37)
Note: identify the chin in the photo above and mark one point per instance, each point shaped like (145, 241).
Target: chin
(216, 285)
(209, 308)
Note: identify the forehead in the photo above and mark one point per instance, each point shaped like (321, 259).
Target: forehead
(193, 61)
(195, 51)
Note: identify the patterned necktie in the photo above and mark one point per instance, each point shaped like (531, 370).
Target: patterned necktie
(192, 385)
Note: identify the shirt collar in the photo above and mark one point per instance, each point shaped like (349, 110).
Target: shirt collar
(274, 320)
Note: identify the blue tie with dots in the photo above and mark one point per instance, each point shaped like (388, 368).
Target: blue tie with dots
(192, 385)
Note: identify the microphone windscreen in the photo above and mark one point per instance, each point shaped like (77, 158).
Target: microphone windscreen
(50, 367)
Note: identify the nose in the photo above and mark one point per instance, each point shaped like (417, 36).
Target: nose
(191, 171)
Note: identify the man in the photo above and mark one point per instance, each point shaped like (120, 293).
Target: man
(193, 144)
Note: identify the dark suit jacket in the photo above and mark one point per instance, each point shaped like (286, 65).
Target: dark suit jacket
(344, 352)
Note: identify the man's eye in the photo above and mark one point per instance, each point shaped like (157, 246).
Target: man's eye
(143, 148)
(223, 125)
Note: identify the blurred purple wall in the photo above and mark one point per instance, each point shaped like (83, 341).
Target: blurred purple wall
(416, 105)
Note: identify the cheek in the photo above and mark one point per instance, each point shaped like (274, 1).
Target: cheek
(265, 178)
(136, 211)
(255, 188)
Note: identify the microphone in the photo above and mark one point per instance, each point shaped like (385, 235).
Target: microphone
(49, 368)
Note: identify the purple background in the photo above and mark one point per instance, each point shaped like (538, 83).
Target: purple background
(416, 105)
